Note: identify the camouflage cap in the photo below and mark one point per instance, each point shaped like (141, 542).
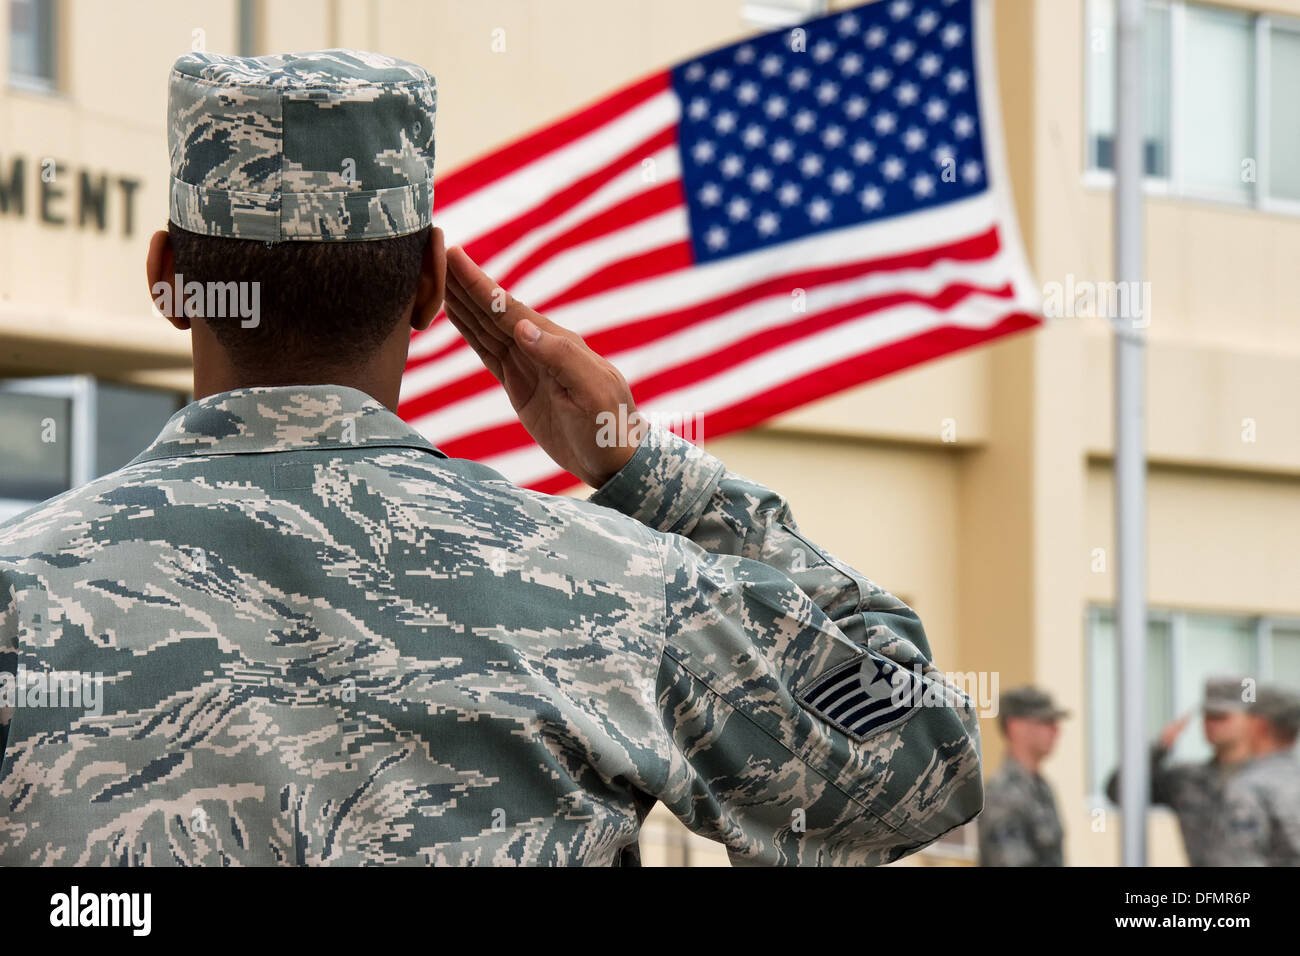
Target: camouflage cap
(1225, 695)
(1029, 702)
(1280, 706)
(326, 145)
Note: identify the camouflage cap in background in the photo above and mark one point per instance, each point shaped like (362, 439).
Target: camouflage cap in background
(1225, 695)
(1029, 702)
(326, 145)
(1280, 706)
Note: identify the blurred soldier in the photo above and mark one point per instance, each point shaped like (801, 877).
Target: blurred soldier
(1194, 791)
(1020, 825)
(1262, 801)
(322, 640)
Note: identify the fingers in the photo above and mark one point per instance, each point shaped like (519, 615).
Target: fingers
(468, 330)
(496, 308)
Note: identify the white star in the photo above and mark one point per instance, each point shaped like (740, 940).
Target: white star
(872, 197)
(745, 54)
(823, 50)
(771, 65)
(709, 194)
(738, 209)
(923, 185)
(885, 123)
(900, 8)
(767, 223)
(963, 126)
(827, 91)
(752, 136)
(799, 79)
(903, 50)
(914, 139)
(876, 37)
(847, 24)
(935, 110)
(926, 22)
(703, 151)
(724, 122)
(855, 107)
(841, 181)
(716, 238)
(863, 152)
(747, 92)
(782, 150)
(971, 171)
(775, 107)
(810, 165)
(819, 210)
(851, 65)
(892, 169)
(804, 121)
(952, 34)
(929, 64)
(879, 78)
(732, 166)
(943, 153)
(698, 109)
(956, 80)
(832, 136)
(907, 93)
(789, 194)
(720, 79)
(760, 180)
(695, 71)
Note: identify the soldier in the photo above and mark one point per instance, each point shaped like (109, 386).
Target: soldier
(1262, 801)
(321, 640)
(1194, 791)
(1020, 825)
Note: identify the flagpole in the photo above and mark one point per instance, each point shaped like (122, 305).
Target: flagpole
(1130, 420)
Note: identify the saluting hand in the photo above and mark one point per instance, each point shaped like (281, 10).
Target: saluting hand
(556, 384)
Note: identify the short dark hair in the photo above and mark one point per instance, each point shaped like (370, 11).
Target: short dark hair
(321, 305)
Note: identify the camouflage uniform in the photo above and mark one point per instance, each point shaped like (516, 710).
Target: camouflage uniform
(323, 641)
(1020, 825)
(1194, 791)
(1262, 801)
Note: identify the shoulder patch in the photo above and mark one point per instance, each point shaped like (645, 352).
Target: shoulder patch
(865, 695)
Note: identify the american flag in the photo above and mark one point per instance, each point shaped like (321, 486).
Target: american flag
(749, 231)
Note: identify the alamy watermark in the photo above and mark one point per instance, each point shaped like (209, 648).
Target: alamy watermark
(57, 689)
(1083, 299)
(616, 431)
(211, 300)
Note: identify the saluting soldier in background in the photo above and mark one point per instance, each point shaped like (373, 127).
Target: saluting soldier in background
(1262, 801)
(1020, 825)
(1194, 791)
(322, 641)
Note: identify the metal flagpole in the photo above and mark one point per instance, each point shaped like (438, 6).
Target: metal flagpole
(1130, 424)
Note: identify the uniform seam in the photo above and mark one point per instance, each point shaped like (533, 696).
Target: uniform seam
(659, 659)
(784, 746)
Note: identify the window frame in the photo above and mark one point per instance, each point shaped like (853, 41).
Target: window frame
(1173, 185)
(30, 82)
(79, 391)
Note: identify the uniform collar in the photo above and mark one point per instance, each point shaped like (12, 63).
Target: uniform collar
(282, 418)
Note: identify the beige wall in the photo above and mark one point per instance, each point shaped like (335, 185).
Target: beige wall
(989, 536)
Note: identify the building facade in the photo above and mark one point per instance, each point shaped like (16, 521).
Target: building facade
(978, 487)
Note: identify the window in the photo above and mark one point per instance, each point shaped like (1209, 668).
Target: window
(1218, 106)
(60, 432)
(1183, 650)
(31, 43)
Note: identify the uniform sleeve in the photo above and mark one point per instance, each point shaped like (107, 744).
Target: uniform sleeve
(807, 722)
(1165, 779)
(8, 659)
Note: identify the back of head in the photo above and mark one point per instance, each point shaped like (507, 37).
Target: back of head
(307, 181)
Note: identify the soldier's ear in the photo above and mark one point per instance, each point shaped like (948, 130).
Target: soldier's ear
(433, 282)
(160, 268)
